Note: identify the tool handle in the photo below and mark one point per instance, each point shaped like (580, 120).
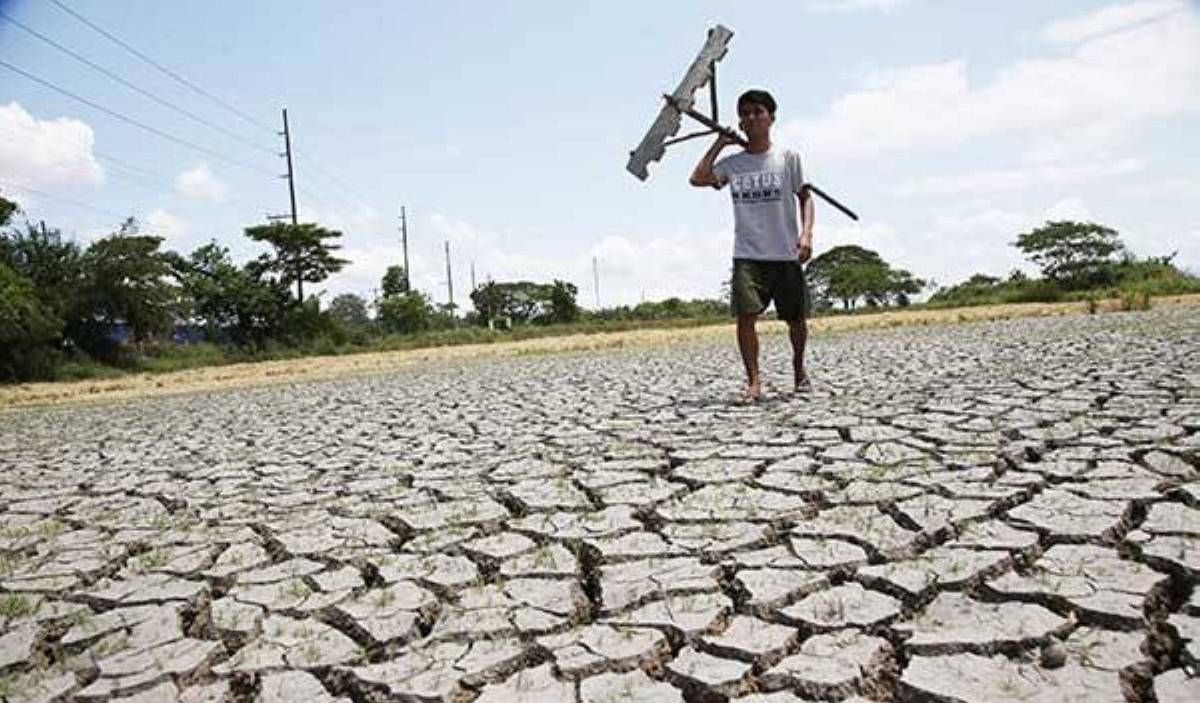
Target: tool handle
(832, 201)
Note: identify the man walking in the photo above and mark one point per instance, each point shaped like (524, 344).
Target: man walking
(769, 248)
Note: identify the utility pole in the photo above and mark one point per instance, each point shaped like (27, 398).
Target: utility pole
(596, 280)
(291, 179)
(404, 243)
(291, 174)
(472, 275)
(449, 278)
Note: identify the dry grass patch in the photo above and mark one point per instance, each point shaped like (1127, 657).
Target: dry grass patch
(324, 367)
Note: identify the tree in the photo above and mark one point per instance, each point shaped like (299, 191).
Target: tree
(563, 308)
(518, 301)
(395, 281)
(302, 253)
(406, 313)
(847, 273)
(52, 265)
(232, 302)
(350, 310)
(1072, 253)
(526, 301)
(28, 331)
(204, 280)
(7, 209)
(979, 286)
(488, 301)
(902, 285)
(126, 279)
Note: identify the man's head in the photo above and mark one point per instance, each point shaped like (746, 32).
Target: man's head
(756, 113)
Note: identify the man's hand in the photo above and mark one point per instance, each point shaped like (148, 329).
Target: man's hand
(702, 175)
(804, 248)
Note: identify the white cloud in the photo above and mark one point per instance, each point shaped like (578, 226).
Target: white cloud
(1104, 89)
(877, 236)
(631, 267)
(163, 224)
(362, 276)
(363, 243)
(634, 268)
(199, 182)
(1010, 180)
(956, 245)
(46, 153)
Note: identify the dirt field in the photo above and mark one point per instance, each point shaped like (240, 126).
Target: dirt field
(993, 512)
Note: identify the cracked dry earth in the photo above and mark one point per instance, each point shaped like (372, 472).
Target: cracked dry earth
(993, 512)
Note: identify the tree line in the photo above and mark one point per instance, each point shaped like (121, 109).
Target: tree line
(1078, 261)
(124, 293)
(123, 298)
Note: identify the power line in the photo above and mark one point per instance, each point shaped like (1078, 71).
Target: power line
(189, 84)
(162, 68)
(69, 201)
(157, 183)
(141, 125)
(335, 181)
(136, 179)
(322, 185)
(326, 179)
(125, 164)
(96, 67)
(314, 190)
(159, 178)
(144, 178)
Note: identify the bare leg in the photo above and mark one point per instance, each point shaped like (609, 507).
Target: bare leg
(747, 338)
(798, 331)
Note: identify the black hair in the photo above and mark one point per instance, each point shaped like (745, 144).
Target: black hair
(757, 97)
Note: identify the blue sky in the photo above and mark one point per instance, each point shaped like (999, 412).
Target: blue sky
(950, 126)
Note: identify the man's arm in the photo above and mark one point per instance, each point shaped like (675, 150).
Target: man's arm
(807, 213)
(702, 175)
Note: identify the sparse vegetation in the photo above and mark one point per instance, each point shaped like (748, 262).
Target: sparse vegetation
(18, 605)
(297, 589)
(151, 560)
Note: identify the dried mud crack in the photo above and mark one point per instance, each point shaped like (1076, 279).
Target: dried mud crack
(1004, 511)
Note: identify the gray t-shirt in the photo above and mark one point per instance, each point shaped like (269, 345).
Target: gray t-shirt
(764, 188)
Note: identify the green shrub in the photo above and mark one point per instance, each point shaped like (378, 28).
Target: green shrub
(84, 369)
(28, 331)
(1135, 298)
(1041, 290)
(405, 313)
(186, 356)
